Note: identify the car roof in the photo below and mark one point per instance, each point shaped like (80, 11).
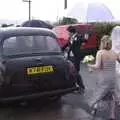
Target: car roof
(17, 31)
(80, 25)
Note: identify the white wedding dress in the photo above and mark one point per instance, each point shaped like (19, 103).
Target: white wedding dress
(115, 36)
(106, 82)
(109, 75)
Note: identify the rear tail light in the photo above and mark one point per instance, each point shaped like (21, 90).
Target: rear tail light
(72, 69)
(62, 41)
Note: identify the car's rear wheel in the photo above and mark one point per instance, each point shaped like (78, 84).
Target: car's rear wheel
(55, 98)
(1, 79)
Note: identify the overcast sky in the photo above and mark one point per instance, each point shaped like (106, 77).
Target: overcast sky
(45, 9)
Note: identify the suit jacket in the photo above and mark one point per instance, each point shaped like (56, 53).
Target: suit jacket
(74, 44)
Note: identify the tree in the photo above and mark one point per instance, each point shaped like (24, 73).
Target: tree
(7, 25)
(66, 20)
(4, 25)
(104, 28)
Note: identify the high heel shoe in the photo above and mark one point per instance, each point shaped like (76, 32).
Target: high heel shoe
(94, 109)
(93, 112)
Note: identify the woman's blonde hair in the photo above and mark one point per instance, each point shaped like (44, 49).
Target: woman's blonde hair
(106, 42)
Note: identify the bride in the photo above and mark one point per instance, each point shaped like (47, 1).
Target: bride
(115, 36)
(106, 64)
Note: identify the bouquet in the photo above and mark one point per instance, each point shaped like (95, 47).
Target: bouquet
(88, 59)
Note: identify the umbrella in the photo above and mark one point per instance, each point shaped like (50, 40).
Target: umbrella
(36, 23)
(90, 12)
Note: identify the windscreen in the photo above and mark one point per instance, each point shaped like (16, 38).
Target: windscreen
(29, 45)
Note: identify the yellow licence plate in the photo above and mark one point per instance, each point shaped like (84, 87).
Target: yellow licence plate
(37, 70)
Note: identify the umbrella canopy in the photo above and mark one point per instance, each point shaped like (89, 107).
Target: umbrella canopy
(36, 23)
(90, 12)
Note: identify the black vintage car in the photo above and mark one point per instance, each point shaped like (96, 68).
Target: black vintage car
(32, 65)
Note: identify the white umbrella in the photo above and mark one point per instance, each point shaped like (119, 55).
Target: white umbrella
(90, 12)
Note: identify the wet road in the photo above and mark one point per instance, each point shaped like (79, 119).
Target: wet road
(71, 107)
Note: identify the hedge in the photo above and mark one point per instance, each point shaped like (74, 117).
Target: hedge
(103, 29)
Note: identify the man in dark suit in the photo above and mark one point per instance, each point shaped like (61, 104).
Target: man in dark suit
(74, 44)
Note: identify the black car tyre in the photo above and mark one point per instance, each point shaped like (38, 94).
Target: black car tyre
(1, 79)
(55, 98)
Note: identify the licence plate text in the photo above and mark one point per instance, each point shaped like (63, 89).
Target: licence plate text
(37, 70)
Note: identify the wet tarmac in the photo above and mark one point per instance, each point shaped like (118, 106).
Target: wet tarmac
(70, 107)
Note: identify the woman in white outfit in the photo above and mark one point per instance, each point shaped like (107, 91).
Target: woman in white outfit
(115, 36)
(106, 63)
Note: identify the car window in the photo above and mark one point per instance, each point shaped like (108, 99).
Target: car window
(30, 44)
(51, 45)
(86, 34)
(29, 41)
(11, 43)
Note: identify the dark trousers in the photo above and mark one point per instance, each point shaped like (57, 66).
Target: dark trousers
(76, 61)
